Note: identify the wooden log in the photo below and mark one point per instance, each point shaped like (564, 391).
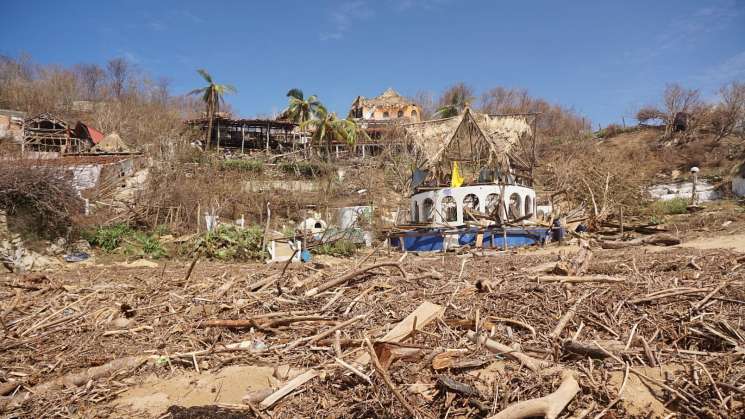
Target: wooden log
(657, 240)
(531, 363)
(350, 275)
(567, 317)
(572, 279)
(548, 407)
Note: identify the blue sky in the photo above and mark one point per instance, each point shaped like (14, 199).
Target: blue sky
(603, 58)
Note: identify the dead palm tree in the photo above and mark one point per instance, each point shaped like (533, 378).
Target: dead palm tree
(212, 96)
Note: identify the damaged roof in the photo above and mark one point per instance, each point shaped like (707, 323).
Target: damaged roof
(469, 137)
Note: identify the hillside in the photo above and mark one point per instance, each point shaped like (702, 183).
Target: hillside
(649, 148)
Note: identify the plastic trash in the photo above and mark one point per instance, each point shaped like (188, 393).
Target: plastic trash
(76, 257)
(305, 256)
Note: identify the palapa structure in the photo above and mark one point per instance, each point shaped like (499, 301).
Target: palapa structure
(477, 142)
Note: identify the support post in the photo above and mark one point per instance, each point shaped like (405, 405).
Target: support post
(243, 137)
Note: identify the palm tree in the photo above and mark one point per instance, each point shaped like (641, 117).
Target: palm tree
(299, 109)
(212, 96)
(454, 101)
(328, 128)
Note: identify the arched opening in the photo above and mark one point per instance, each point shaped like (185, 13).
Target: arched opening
(413, 114)
(386, 115)
(528, 205)
(515, 206)
(318, 225)
(449, 209)
(400, 114)
(428, 212)
(493, 205)
(416, 212)
(470, 207)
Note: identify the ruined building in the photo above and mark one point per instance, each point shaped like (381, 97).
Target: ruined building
(389, 106)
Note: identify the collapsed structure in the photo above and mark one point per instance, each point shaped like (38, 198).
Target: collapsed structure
(472, 186)
(231, 133)
(46, 133)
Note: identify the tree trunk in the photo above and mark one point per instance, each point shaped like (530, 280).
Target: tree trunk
(210, 116)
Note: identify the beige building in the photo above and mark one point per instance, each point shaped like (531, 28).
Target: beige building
(389, 106)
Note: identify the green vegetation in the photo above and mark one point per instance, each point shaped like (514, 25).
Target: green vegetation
(130, 241)
(248, 166)
(670, 207)
(336, 248)
(108, 238)
(231, 243)
(306, 169)
(299, 109)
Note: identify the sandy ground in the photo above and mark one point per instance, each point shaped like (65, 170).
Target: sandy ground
(226, 386)
(734, 242)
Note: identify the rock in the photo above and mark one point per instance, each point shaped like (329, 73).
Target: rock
(120, 323)
(42, 262)
(81, 246)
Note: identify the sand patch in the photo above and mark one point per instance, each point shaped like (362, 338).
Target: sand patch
(228, 385)
(735, 242)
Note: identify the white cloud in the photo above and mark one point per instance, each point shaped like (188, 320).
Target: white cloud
(344, 16)
(732, 68)
(686, 30)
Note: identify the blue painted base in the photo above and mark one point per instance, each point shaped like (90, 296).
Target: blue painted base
(433, 239)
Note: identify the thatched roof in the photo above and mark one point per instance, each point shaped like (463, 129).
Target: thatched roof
(111, 143)
(471, 137)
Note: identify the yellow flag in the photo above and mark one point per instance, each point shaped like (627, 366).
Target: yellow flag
(456, 179)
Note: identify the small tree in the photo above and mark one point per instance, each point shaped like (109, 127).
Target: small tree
(327, 128)
(729, 114)
(454, 100)
(679, 101)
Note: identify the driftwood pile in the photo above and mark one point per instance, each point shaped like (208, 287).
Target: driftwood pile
(391, 336)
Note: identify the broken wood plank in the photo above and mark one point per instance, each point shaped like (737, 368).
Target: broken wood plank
(288, 388)
(422, 316)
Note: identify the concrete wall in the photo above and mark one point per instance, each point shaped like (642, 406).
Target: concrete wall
(738, 185)
(378, 112)
(705, 191)
(482, 192)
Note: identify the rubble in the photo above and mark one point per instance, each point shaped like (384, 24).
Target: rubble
(382, 336)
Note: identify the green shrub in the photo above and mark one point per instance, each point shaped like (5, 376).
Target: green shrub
(231, 243)
(138, 243)
(671, 206)
(108, 238)
(336, 248)
(249, 166)
(148, 245)
(306, 169)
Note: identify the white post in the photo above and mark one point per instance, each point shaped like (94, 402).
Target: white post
(243, 137)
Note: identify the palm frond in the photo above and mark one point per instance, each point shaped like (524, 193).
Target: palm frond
(205, 75)
(296, 94)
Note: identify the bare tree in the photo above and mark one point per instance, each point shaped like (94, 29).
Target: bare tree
(426, 101)
(454, 100)
(649, 113)
(729, 114)
(680, 106)
(92, 77)
(119, 73)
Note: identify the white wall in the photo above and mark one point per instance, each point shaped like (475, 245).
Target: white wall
(481, 192)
